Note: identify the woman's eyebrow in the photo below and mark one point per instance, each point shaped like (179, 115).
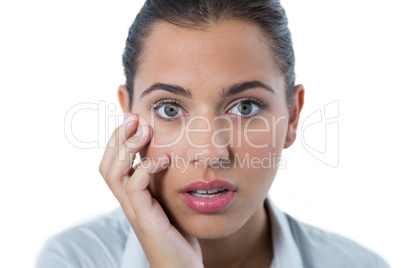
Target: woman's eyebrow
(240, 87)
(232, 90)
(175, 89)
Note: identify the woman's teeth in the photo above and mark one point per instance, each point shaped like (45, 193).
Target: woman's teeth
(209, 193)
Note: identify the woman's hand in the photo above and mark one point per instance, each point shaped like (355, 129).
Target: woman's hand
(163, 244)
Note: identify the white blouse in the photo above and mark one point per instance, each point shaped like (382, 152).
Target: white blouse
(109, 241)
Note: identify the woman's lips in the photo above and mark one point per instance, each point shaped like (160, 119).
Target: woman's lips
(209, 196)
(209, 185)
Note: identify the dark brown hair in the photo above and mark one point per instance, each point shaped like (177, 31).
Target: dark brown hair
(269, 15)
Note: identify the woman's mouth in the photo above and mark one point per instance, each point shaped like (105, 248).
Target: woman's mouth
(209, 193)
(209, 196)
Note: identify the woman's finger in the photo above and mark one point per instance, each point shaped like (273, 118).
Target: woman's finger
(119, 136)
(123, 160)
(137, 186)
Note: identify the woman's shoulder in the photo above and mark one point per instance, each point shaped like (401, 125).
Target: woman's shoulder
(319, 247)
(98, 242)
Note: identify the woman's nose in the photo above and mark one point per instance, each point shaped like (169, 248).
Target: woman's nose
(208, 139)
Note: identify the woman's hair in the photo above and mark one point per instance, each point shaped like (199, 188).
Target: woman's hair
(269, 15)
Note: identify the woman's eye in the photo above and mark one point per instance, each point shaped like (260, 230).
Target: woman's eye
(244, 108)
(169, 111)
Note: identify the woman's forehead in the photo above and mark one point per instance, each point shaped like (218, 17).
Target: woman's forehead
(222, 54)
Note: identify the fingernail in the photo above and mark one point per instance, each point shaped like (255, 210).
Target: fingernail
(139, 130)
(127, 118)
(163, 163)
(162, 157)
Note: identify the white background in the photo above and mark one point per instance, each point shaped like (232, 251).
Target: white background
(57, 54)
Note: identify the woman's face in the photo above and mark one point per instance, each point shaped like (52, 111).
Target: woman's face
(210, 119)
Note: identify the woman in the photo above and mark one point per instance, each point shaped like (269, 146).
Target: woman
(210, 103)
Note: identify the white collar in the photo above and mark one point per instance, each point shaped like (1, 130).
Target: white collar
(286, 253)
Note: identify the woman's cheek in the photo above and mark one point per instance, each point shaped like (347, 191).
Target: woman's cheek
(260, 149)
(164, 141)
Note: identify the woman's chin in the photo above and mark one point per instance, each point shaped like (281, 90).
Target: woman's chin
(208, 227)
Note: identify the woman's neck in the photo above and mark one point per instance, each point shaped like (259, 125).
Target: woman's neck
(250, 246)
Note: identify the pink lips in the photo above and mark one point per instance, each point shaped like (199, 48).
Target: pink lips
(216, 202)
